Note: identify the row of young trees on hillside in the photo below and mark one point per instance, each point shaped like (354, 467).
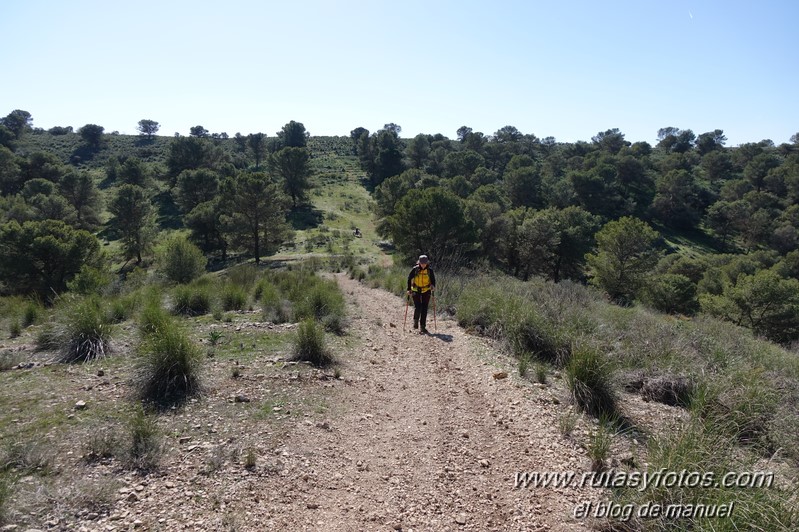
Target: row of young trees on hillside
(538, 207)
(50, 211)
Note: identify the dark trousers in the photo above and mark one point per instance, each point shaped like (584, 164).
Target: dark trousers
(420, 303)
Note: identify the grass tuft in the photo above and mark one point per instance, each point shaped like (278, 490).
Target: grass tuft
(80, 332)
(589, 379)
(169, 366)
(192, 300)
(146, 447)
(309, 345)
(233, 297)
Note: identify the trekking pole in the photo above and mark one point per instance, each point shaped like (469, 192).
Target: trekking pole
(406, 313)
(435, 325)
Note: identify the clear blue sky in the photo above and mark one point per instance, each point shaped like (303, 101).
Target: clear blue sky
(566, 69)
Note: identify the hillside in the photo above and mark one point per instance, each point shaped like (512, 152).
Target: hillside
(401, 431)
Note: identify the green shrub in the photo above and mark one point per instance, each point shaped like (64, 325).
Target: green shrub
(169, 365)
(540, 373)
(121, 309)
(599, 447)
(260, 287)
(146, 448)
(153, 318)
(481, 306)
(191, 300)
(309, 345)
(102, 444)
(244, 275)
(31, 314)
(529, 332)
(47, 338)
(15, 328)
(589, 380)
(81, 332)
(89, 280)
(671, 293)
(524, 364)
(180, 260)
(233, 297)
(324, 302)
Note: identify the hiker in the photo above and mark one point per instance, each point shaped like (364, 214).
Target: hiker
(357, 232)
(421, 283)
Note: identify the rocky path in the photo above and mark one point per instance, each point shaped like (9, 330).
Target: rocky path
(426, 439)
(417, 434)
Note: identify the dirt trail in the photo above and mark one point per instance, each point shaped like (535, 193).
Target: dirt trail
(416, 435)
(426, 439)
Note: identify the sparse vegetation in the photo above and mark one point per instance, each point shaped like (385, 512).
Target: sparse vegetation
(250, 460)
(740, 391)
(309, 345)
(146, 447)
(567, 423)
(599, 446)
(588, 376)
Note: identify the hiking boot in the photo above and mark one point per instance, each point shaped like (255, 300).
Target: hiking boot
(416, 325)
(423, 331)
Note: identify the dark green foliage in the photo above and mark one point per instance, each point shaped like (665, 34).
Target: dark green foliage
(31, 313)
(256, 213)
(17, 122)
(764, 302)
(123, 308)
(323, 302)
(153, 317)
(244, 275)
(192, 153)
(134, 218)
(180, 260)
(381, 154)
(625, 255)
(92, 135)
(90, 280)
(42, 257)
(293, 135)
(309, 345)
(257, 144)
(430, 221)
(79, 190)
(291, 164)
(671, 293)
(275, 308)
(194, 187)
(148, 128)
(208, 230)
